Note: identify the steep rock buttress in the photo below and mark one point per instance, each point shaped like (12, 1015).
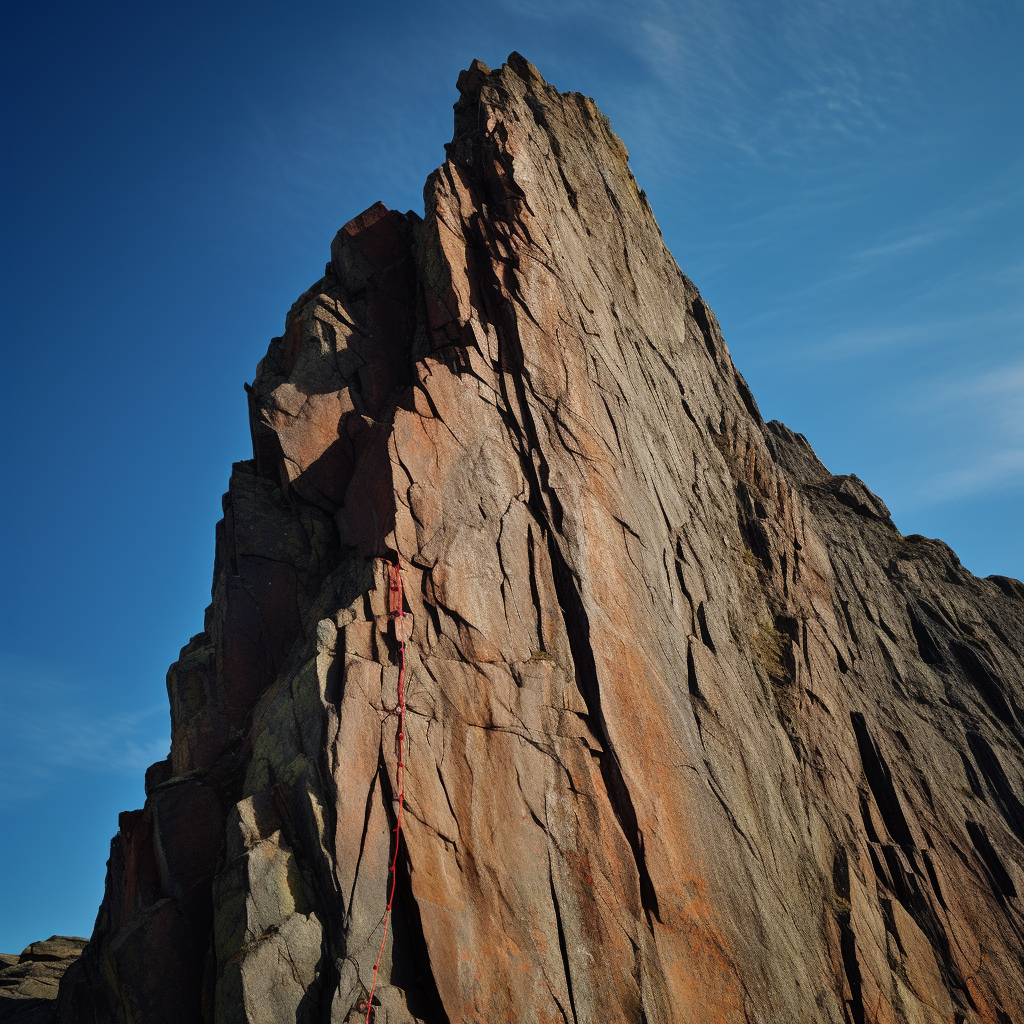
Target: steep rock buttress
(693, 733)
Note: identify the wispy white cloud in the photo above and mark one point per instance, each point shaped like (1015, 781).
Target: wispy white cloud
(979, 416)
(1000, 388)
(986, 473)
(918, 313)
(908, 330)
(767, 80)
(997, 197)
(49, 730)
(908, 243)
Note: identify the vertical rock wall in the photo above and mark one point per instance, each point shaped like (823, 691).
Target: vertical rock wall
(693, 733)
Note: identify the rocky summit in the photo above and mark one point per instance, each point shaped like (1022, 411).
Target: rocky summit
(656, 719)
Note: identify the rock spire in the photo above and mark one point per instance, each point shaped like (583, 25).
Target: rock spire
(693, 734)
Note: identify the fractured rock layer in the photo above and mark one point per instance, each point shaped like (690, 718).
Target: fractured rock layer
(693, 733)
(29, 983)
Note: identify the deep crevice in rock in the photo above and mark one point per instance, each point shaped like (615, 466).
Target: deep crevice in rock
(566, 966)
(411, 969)
(577, 625)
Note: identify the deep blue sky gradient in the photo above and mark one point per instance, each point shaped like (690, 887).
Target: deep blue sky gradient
(843, 181)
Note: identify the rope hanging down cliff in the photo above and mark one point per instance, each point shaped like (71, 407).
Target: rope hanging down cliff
(396, 610)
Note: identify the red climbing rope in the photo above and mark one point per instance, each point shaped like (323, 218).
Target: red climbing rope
(396, 610)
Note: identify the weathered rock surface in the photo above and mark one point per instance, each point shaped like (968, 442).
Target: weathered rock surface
(29, 982)
(693, 733)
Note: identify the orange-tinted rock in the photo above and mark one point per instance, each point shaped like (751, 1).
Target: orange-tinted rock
(692, 733)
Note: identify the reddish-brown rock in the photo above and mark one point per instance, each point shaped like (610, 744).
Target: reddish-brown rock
(693, 734)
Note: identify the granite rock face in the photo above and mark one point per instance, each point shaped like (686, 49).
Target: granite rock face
(693, 733)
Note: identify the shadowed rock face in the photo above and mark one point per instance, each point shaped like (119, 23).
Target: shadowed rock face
(29, 983)
(693, 734)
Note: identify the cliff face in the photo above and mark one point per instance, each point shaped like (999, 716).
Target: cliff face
(692, 733)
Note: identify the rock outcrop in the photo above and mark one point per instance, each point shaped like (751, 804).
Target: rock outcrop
(29, 983)
(692, 733)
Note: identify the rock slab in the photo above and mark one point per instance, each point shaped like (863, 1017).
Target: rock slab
(29, 983)
(693, 733)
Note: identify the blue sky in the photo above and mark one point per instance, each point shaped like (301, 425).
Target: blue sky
(842, 180)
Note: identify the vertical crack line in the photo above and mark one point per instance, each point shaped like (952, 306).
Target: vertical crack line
(397, 612)
(362, 839)
(577, 627)
(549, 513)
(561, 943)
(534, 589)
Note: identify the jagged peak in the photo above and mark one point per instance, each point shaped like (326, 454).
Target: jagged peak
(679, 727)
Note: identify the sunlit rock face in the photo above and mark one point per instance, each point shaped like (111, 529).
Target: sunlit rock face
(693, 734)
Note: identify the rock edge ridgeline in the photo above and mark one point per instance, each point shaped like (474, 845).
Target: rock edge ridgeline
(693, 734)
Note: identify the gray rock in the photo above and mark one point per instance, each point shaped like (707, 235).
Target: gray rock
(29, 982)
